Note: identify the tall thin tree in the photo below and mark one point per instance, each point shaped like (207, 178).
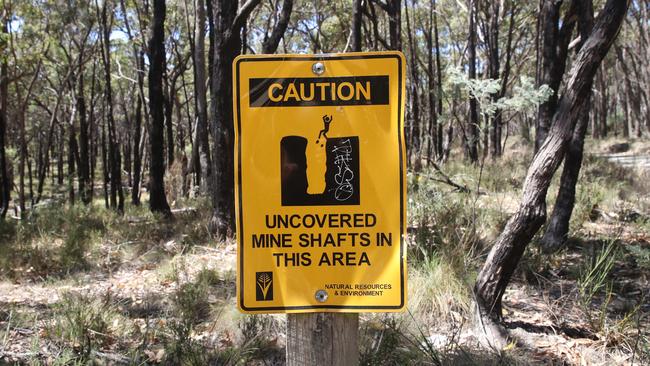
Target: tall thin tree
(557, 229)
(114, 154)
(473, 127)
(5, 184)
(357, 14)
(200, 161)
(226, 38)
(157, 198)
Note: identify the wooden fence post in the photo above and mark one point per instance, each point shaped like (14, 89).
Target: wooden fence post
(323, 339)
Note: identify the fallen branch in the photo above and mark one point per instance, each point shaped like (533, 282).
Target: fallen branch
(113, 357)
(445, 178)
(17, 355)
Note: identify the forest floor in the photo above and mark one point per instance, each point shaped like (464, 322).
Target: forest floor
(83, 285)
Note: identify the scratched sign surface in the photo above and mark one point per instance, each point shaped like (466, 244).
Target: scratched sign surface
(320, 182)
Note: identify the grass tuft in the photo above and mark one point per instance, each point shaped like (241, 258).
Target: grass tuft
(83, 324)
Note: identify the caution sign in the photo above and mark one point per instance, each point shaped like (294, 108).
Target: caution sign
(320, 182)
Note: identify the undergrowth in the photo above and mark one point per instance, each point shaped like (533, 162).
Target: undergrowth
(59, 239)
(194, 321)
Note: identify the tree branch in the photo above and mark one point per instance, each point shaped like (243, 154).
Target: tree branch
(242, 15)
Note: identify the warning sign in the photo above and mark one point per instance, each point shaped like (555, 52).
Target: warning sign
(320, 182)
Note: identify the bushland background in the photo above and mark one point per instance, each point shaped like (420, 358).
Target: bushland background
(527, 130)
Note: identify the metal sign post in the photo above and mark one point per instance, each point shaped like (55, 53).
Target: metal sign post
(320, 193)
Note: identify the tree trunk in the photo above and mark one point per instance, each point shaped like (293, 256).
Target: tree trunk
(114, 154)
(138, 57)
(84, 171)
(322, 339)
(558, 224)
(505, 77)
(137, 158)
(22, 158)
(227, 45)
(552, 62)
(557, 229)
(270, 45)
(473, 127)
(93, 134)
(504, 256)
(626, 110)
(5, 181)
(414, 138)
(59, 155)
(432, 130)
(157, 198)
(604, 100)
(395, 24)
(72, 153)
(633, 99)
(356, 25)
(169, 113)
(43, 168)
(439, 133)
(200, 160)
(494, 67)
(105, 167)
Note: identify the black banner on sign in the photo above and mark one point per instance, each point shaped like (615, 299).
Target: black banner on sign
(325, 91)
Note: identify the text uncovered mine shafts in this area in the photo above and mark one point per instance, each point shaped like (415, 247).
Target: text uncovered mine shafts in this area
(344, 239)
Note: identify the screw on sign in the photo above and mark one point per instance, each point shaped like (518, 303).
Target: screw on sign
(320, 195)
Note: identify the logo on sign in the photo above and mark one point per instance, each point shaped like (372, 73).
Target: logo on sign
(264, 288)
(320, 170)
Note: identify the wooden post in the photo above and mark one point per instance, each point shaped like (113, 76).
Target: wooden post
(322, 339)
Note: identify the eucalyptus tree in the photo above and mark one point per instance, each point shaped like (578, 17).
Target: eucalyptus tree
(508, 248)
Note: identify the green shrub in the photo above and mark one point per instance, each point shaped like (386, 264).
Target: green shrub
(641, 256)
(181, 349)
(75, 246)
(191, 302)
(441, 223)
(189, 307)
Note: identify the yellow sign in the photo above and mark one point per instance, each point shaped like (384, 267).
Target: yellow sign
(320, 182)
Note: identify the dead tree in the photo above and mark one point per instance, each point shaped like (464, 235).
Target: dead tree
(504, 256)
